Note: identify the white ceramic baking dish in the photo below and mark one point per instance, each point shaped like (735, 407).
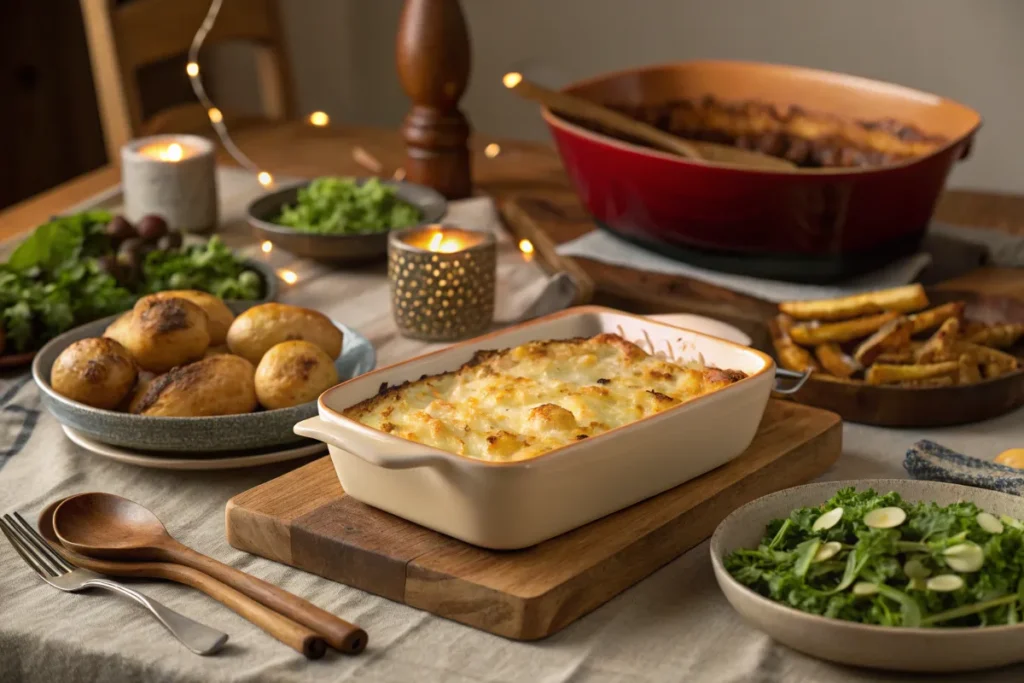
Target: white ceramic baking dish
(515, 505)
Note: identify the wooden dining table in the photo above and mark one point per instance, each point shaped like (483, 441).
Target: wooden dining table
(673, 625)
(520, 169)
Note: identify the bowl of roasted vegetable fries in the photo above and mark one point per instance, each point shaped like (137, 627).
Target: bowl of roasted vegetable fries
(907, 356)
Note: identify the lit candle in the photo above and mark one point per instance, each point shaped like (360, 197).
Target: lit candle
(173, 151)
(442, 281)
(173, 176)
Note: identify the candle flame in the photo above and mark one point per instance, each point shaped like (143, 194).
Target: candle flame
(288, 276)
(512, 79)
(265, 179)
(267, 246)
(526, 246)
(492, 150)
(215, 115)
(192, 69)
(444, 244)
(319, 118)
(173, 152)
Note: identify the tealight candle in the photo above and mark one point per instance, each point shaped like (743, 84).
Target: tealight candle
(173, 176)
(442, 281)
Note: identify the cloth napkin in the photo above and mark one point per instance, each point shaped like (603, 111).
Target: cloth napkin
(934, 462)
(947, 251)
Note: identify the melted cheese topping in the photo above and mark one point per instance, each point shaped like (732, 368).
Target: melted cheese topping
(519, 403)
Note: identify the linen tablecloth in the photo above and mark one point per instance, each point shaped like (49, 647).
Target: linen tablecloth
(673, 626)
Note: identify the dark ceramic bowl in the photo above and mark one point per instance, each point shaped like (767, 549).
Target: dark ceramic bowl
(261, 429)
(337, 249)
(812, 225)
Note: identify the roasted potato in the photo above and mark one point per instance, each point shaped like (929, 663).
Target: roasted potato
(216, 351)
(166, 332)
(997, 336)
(118, 330)
(969, 373)
(219, 385)
(899, 299)
(791, 356)
(900, 374)
(933, 317)
(848, 330)
(96, 371)
(835, 361)
(219, 316)
(892, 336)
(258, 329)
(293, 372)
(941, 346)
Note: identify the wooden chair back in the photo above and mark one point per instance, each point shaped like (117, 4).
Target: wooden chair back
(125, 38)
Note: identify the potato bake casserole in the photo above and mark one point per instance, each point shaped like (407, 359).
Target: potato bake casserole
(519, 403)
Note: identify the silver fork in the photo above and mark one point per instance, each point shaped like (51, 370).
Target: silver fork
(62, 575)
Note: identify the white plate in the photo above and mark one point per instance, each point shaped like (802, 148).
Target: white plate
(160, 462)
(699, 323)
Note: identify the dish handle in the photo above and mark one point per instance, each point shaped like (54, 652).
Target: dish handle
(798, 378)
(316, 428)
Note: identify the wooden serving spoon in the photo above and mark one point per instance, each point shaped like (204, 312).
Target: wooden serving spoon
(577, 107)
(107, 526)
(292, 634)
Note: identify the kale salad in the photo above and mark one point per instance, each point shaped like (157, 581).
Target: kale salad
(877, 559)
(343, 206)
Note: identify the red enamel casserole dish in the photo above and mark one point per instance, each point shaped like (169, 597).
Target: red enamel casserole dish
(805, 224)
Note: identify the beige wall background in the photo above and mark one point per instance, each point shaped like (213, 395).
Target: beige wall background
(972, 51)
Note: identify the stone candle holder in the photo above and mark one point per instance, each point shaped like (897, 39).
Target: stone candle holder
(173, 176)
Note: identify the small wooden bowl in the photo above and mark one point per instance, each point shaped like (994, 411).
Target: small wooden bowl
(893, 406)
(337, 249)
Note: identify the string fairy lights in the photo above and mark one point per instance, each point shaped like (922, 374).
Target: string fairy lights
(215, 114)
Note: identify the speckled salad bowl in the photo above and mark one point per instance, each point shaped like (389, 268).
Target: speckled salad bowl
(937, 650)
(261, 429)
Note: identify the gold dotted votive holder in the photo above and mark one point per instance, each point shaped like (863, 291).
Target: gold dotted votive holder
(442, 281)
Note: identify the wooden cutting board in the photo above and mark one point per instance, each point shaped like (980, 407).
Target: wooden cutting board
(304, 519)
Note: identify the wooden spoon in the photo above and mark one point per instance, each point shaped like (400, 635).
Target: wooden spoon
(107, 526)
(295, 636)
(577, 107)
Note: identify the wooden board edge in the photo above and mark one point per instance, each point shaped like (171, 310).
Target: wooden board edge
(539, 616)
(256, 533)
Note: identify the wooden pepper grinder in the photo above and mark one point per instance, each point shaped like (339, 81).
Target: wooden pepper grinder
(433, 66)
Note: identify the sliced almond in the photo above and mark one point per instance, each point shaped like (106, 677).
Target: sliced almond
(827, 520)
(885, 518)
(945, 583)
(989, 523)
(827, 551)
(864, 588)
(915, 569)
(964, 557)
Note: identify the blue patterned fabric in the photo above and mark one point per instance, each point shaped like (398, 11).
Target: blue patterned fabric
(932, 461)
(19, 414)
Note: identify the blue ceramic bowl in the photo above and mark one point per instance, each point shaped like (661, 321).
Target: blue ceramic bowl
(247, 431)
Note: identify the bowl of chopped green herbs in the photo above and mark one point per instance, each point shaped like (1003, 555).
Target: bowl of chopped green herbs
(340, 220)
(78, 268)
(888, 573)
